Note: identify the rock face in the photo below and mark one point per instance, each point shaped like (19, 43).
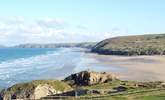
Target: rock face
(36, 93)
(43, 90)
(90, 78)
(33, 90)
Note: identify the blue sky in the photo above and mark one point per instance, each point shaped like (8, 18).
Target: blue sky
(47, 21)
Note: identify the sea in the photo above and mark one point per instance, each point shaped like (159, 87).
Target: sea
(19, 65)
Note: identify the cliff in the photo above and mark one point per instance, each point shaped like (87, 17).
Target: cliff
(42, 88)
(34, 90)
(87, 85)
(153, 44)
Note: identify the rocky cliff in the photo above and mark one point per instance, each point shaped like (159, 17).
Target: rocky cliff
(89, 78)
(35, 89)
(43, 88)
(89, 85)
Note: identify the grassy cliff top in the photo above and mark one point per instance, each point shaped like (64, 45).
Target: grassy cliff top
(57, 85)
(134, 90)
(110, 90)
(132, 45)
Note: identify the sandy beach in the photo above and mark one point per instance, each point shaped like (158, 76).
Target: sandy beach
(138, 68)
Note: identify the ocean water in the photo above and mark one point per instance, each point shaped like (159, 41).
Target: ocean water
(21, 65)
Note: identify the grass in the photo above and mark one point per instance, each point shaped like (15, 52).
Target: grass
(152, 98)
(108, 85)
(135, 90)
(145, 91)
(128, 84)
(150, 95)
(58, 85)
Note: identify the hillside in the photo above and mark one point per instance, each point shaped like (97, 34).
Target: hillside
(153, 44)
(2, 46)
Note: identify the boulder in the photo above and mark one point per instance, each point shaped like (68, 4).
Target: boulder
(43, 90)
(90, 78)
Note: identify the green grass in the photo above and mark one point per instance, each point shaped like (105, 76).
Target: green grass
(108, 85)
(147, 91)
(152, 98)
(152, 95)
(58, 85)
(128, 84)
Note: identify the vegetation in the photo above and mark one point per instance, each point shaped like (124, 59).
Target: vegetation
(132, 45)
(112, 90)
(160, 97)
(119, 90)
(134, 91)
(109, 90)
(57, 85)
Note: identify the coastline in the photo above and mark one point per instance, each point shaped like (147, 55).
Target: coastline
(122, 74)
(136, 68)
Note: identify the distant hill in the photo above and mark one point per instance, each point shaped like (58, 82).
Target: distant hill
(56, 45)
(153, 44)
(2, 46)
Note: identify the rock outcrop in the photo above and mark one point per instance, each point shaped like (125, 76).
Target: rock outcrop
(34, 90)
(43, 88)
(36, 93)
(89, 78)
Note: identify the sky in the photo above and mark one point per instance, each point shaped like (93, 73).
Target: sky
(56, 21)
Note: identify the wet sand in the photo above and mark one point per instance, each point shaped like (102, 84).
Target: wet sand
(137, 68)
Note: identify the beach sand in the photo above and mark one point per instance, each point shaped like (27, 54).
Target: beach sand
(136, 68)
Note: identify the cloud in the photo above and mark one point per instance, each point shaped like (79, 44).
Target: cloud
(52, 23)
(18, 30)
(23, 31)
(82, 27)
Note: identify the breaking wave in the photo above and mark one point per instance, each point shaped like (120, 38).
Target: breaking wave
(53, 65)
